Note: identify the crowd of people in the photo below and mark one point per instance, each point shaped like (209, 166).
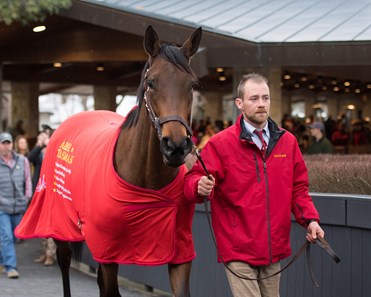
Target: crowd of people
(340, 133)
(205, 129)
(314, 137)
(19, 175)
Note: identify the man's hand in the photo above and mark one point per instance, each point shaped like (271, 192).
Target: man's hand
(205, 185)
(314, 230)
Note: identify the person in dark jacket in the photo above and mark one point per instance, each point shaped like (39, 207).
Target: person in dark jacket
(15, 193)
(320, 144)
(255, 183)
(36, 157)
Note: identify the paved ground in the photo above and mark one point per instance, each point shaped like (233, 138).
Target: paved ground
(37, 280)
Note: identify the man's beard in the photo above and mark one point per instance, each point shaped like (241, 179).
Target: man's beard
(6, 153)
(258, 118)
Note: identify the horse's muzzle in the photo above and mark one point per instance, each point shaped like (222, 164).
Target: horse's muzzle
(175, 153)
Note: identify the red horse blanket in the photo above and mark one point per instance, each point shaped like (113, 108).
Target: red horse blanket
(80, 197)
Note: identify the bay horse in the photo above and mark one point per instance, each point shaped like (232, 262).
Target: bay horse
(145, 153)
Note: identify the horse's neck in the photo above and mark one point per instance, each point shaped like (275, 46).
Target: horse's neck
(138, 159)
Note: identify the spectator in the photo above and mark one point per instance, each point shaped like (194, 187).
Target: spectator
(359, 136)
(209, 132)
(36, 157)
(330, 126)
(254, 184)
(340, 137)
(219, 126)
(17, 129)
(320, 144)
(47, 129)
(21, 145)
(15, 193)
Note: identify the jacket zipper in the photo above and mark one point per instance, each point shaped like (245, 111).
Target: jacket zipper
(11, 170)
(257, 167)
(268, 207)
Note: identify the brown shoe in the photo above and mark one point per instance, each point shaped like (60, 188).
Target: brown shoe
(40, 259)
(2, 269)
(13, 273)
(49, 261)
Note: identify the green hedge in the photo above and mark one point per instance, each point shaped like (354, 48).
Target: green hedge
(346, 174)
(26, 11)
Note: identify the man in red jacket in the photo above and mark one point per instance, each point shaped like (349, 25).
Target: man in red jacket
(255, 183)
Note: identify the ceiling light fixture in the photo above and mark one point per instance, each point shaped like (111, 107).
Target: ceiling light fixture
(100, 67)
(222, 76)
(38, 29)
(219, 69)
(287, 76)
(57, 64)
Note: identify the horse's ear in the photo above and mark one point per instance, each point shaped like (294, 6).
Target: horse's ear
(190, 46)
(151, 42)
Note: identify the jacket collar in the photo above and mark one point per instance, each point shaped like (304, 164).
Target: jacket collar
(274, 130)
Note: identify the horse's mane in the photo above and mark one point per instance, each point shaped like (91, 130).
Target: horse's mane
(170, 53)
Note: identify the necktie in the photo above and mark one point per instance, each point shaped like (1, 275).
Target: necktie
(264, 144)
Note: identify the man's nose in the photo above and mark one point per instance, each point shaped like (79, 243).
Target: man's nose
(262, 102)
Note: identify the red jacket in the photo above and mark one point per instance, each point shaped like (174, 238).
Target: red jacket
(253, 198)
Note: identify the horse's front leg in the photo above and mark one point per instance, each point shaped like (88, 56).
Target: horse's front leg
(107, 280)
(179, 279)
(64, 253)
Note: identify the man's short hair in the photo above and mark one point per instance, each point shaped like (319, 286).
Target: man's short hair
(256, 77)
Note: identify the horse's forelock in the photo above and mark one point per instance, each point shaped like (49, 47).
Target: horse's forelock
(174, 55)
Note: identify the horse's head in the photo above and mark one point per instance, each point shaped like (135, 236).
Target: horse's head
(168, 85)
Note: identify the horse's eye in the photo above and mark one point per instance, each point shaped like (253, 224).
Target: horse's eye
(150, 84)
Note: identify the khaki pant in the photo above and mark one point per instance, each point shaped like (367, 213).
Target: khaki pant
(49, 247)
(245, 288)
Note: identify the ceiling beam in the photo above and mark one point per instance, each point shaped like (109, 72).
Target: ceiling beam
(89, 44)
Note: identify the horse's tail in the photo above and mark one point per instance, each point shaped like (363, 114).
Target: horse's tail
(77, 250)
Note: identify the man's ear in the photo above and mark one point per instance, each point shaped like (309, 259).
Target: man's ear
(238, 102)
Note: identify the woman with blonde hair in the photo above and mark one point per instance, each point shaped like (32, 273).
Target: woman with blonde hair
(21, 145)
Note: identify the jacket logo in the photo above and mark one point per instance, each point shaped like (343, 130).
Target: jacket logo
(279, 155)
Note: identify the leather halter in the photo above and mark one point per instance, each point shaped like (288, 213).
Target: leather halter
(158, 122)
(321, 242)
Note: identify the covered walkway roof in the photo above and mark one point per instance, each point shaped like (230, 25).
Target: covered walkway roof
(262, 20)
(329, 38)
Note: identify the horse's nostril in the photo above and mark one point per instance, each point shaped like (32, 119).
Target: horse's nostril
(169, 148)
